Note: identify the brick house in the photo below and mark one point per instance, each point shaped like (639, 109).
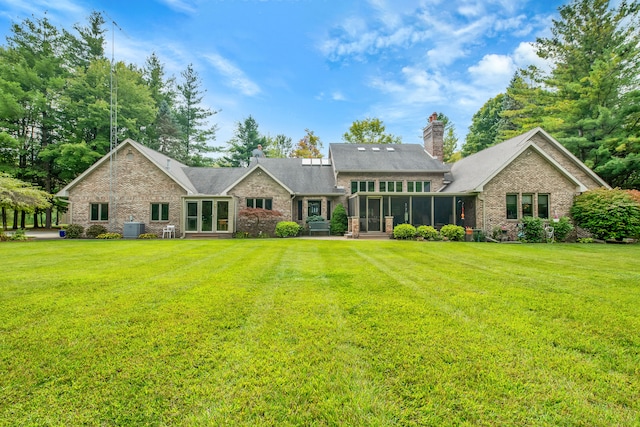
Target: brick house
(380, 185)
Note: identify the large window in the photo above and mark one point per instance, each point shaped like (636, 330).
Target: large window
(363, 186)
(527, 205)
(314, 207)
(99, 211)
(543, 206)
(159, 211)
(260, 203)
(512, 206)
(391, 186)
(418, 186)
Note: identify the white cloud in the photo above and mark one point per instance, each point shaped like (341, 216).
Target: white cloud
(525, 55)
(185, 6)
(235, 76)
(338, 96)
(493, 71)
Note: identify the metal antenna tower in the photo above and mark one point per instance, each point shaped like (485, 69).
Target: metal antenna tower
(113, 133)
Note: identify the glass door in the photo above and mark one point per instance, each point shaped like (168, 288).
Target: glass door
(374, 209)
(192, 216)
(222, 208)
(207, 216)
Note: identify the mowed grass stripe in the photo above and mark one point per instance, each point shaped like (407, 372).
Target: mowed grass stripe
(303, 332)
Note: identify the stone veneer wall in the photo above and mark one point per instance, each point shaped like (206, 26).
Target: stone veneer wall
(530, 173)
(139, 183)
(260, 185)
(565, 162)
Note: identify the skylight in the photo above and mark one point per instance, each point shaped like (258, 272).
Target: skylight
(361, 148)
(391, 149)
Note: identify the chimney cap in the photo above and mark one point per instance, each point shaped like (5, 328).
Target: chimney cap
(433, 117)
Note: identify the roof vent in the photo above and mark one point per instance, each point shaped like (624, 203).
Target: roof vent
(375, 148)
(391, 149)
(361, 148)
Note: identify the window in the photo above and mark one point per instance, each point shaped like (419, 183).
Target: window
(159, 211)
(418, 186)
(260, 203)
(314, 207)
(527, 205)
(512, 206)
(362, 186)
(391, 186)
(543, 206)
(99, 211)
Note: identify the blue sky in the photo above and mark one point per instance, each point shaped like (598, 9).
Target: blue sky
(322, 64)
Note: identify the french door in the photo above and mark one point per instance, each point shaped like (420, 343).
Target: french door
(206, 216)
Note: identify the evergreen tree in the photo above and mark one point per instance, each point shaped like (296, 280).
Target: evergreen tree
(594, 82)
(193, 120)
(246, 139)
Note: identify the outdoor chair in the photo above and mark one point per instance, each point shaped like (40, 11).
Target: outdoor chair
(169, 231)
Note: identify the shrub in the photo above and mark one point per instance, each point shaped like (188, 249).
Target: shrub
(533, 230)
(95, 230)
(258, 221)
(453, 232)
(315, 218)
(287, 229)
(404, 231)
(427, 232)
(607, 214)
(148, 236)
(339, 220)
(109, 236)
(3, 237)
(74, 231)
(562, 228)
(19, 235)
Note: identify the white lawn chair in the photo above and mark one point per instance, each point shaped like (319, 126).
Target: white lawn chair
(169, 231)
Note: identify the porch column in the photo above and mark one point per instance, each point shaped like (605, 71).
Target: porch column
(388, 225)
(355, 226)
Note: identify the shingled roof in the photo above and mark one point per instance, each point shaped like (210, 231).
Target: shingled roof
(302, 179)
(383, 158)
(471, 173)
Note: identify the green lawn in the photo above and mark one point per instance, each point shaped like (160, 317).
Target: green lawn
(318, 332)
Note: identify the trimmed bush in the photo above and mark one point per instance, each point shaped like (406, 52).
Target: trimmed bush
(562, 228)
(533, 230)
(287, 229)
(453, 232)
(74, 231)
(607, 214)
(109, 236)
(427, 232)
(148, 236)
(404, 231)
(339, 220)
(95, 230)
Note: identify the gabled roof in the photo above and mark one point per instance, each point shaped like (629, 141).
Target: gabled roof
(302, 178)
(291, 174)
(172, 168)
(383, 158)
(470, 174)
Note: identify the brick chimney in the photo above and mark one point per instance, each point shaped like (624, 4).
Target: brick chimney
(433, 136)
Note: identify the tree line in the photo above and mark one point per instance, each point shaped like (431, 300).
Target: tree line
(589, 98)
